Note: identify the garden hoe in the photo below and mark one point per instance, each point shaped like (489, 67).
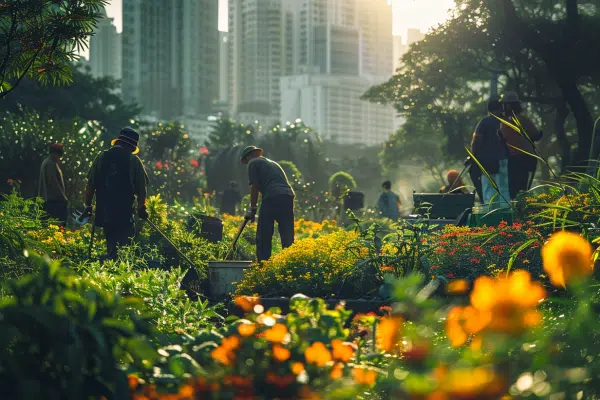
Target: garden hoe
(237, 236)
(192, 294)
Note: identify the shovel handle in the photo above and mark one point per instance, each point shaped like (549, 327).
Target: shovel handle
(237, 236)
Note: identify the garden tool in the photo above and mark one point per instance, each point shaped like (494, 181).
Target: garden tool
(237, 236)
(466, 167)
(82, 218)
(189, 276)
(157, 230)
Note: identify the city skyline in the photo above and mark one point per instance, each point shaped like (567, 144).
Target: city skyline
(420, 14)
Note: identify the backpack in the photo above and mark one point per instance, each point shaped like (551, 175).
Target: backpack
(115, 190)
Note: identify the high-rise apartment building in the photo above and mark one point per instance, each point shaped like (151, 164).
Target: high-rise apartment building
(171, 56)
(223, 66)
(399, 50)
(377, 46)
(414, 35)
(257, 58)
(343, 47)
(105, 49)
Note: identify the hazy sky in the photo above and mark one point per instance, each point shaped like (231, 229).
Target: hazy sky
(422, 14)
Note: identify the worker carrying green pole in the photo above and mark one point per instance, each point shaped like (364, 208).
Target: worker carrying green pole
(268, 178)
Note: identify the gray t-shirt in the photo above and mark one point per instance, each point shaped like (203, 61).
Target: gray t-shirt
(269, 177)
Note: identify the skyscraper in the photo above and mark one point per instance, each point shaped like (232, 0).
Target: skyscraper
(344, 47)
(377, 46)
(223, 66)
(105, 49)
(257, 58)
(414, 35)
(171, 56)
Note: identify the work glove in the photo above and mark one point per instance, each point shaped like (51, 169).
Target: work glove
(251, 214)
(143, 213)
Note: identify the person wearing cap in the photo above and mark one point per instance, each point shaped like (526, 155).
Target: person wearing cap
(521, 166)
(491, 153)
(268, 178)
(116, 178)
(52, 185)
(455, 184)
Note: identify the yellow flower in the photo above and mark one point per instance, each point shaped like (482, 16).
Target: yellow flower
(364, 376)
(317, 354)
(567, 257)
(276, 334)
(388, 330)
(280, 353)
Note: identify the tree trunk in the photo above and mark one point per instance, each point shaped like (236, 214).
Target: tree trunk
(582, 115)
(562, 113)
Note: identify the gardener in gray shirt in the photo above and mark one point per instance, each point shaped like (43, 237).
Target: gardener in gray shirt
(267, 177)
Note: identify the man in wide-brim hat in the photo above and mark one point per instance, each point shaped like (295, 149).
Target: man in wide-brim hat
(277, 200)
(117, 177)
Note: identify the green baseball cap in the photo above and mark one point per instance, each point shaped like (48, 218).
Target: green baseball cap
(248, 150)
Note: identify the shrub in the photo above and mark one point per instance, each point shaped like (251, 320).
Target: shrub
(24, 140)
(340, 183)
(64, 338)
(315, 267)
(467, 253)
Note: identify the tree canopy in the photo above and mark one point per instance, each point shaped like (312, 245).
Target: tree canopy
(39, 39)
(545, 50)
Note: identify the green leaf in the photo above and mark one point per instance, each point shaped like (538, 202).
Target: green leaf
(516, 253)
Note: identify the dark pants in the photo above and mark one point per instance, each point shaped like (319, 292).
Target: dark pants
(281, 209)
(117, 236)
(57, 210)
(475, 174)
(520, 169)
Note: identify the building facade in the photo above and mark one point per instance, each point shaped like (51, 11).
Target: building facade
(105, 49)
(343, 48)
(332, 105)
(257, 58)
(171, 56)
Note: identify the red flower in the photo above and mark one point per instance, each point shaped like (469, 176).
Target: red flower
(450, 275)
(386, 268)
(204, 150)
(434, 267)
(475, 260)
(10, 181)
(195, 163)
(503, 233)
(440, 251)
(159, 164)
(166, 165)
(502, 224)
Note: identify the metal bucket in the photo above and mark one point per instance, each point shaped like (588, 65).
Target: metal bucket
(223, 275)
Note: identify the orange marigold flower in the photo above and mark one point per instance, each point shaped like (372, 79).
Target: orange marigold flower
(317, 354)
(280, 353)
(133, 381)
(276, 334)
(246, 329)
(342, 351)
(388, 331)
(458, 286)
(364, 376)
(231, 342)
(336, 371)
(479, 383)
(297, 368)
(567, 257)
(510, 301)
(246, 303)
(186, 392)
